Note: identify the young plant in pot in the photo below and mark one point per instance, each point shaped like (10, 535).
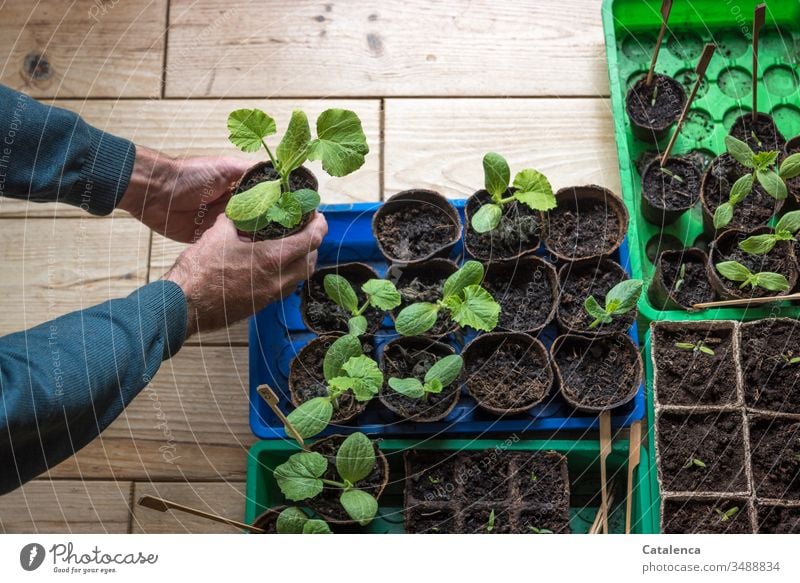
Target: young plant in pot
(416, 225)
(620, 300)
(424, 282)
(770, 356)
(688, 514)
(290, 520)
(680, 280)
(380, 295)
(463, 299)
(503, 221)
(654, 107)
(340, 478)
(421, 378)
(669, 190)
(760, 135)
(350, 381)
(588, 222)
(276, 198)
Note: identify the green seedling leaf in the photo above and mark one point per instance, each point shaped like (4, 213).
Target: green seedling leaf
(477, 309)
(740, 189)
(496, 175)
(249, 127)
(471, 273)
(382, 294)
(339, 290)
(534, 190)
(790, 167)
(487, 218)
(316, 526)
(293, 149)
(723, 215)
(355, 458)
(341, 144)
(535, 530)
(434, 386)
(311, 417)
(620, 299)
(758, 244)
(357, 325)
(342, 350)
(734, 271)
(694, 462)
(764, 160)
(740, 151)
(596, 311)
(770, 281)
(727, 514)
(490, 522)
(291, 521)
(416, 319)
(789, 224)
(445, 370)
(300, 477)
(772, 183)
(309, 199)
(250, 207)
(359, 505)
(361, 375)
(287, 212)
(411, 387)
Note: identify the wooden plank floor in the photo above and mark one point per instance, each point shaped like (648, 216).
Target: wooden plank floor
(437, 84)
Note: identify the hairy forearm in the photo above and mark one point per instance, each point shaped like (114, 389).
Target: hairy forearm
(152, 181)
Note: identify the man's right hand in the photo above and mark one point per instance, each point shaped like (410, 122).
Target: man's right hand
(226, 279)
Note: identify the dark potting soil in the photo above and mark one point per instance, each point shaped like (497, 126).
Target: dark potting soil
(543, 477)
(297, 181)
(754, 211)
(691, 377)
(770, 382)
(422, 285)
(324, 314)
(519, 230)
(600, 375)
(779, 260)
(716, 439)
(431, 477)
(674, 186)
(423, 519)
(778, 519)
(327, 502)
(584, 281)
(525, 295)
(775, 457)
(506, 373)
(696, 287)
(536, 520)
(485, 477)
(412, 231)
(658, 113)
(592, 229)
(308, 381)
(705, 517)
(412, 362)
(763, 135)
(477, 519)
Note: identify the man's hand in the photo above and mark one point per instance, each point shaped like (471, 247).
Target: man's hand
(226, 279)
(180, 198)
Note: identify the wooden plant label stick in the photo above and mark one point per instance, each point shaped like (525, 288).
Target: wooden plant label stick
(758, 22)
(162, 505)
(700, 71)
(605, 450)
(634, 455)
(666, 7)
(746, 302)
(271, 398)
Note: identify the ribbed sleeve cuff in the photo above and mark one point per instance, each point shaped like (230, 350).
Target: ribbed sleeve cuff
(164, 306)
(105, 173)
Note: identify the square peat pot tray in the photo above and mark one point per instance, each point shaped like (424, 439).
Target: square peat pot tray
(277, 333)
(582, 461)
(630, 29)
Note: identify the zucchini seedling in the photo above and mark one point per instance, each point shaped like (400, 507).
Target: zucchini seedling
(789, 360)
(681, 278)
(381, 294)
(345, 368)
(763, 168)
(694, 463)
(441, 374)
(735, 271)
(301, 477)
(340, 144)
(531, 188)
(535, 530)
(619, 300)
(696, 347)
(726, 515)
(466, 302)
(294, 521)
(785, 229)
(490, 522)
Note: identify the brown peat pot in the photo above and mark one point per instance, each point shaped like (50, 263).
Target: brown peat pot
(669, 191)
(651, 118)
(700, 514)
(424, 282)
(268, 520)
(264, 172)
(695, 287)
(518, 234)
(771, 385)
(416, 225)
(762, 135)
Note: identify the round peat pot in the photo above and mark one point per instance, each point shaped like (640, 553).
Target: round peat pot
(527, 291)
(424, 282)
(726, 248)
(268, 520)
(412, 356)
(687, 266)
(589, 222)
(519, 231)
(264, 172)
(321, 314)
(581, 279)
(793, 184)
(507, 372)
(416, 225)
(715, 187)
(597, 374)
(669, 191)
(762, 135)
(326, 504)
(653, 109)
(307, 380)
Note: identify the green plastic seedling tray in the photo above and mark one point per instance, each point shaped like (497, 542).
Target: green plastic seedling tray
(630, 28)
(650, 459)
(582, 460)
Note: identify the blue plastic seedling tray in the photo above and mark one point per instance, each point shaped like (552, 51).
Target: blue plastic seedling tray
(277, 334)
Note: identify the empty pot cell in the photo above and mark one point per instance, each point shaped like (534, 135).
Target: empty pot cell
(485, 476)
(681, 280)
(775, 457)
(526, 290)
(770, 357)
(698, 516)
(777, 519)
